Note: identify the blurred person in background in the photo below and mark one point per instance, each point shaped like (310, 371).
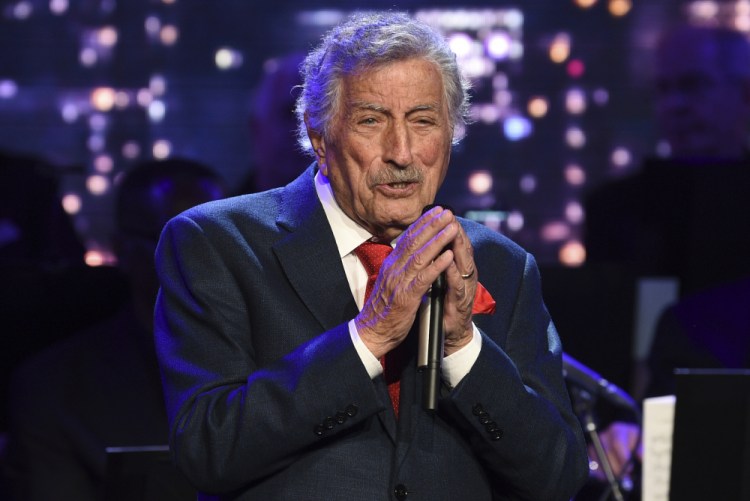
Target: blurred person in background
(272, 124)
(686, 216)
(101, 387)
(46, 290)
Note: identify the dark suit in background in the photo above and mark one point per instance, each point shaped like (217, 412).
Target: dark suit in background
(680, 218)
(710, 329)
(94, 390)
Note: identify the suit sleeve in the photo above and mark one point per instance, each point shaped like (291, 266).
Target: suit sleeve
(234, 421)
(513, 404)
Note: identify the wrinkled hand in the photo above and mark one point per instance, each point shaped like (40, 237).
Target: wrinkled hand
(618, 441)
(406, 276)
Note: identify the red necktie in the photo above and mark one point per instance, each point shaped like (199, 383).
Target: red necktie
(372, 255)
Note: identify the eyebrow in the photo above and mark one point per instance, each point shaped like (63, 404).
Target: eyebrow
(382, 109)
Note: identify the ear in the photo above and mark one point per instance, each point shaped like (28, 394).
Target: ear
(319, 146)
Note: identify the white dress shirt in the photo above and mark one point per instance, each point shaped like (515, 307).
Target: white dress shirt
(349, 235)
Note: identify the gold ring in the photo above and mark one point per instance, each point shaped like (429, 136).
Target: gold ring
(469, 275)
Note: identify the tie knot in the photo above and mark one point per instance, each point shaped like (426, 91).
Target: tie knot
(372, 255)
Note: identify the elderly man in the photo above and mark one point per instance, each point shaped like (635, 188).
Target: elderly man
(270, 329)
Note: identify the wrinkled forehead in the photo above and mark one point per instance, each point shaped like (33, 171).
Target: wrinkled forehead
(417, 82)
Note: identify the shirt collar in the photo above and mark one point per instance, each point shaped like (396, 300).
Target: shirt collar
(348, 234)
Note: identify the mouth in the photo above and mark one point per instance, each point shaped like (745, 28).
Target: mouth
(398, 189)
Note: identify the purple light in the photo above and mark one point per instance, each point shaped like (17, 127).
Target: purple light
(516, 127)
(460, 44)
(498, 45)
(576, 68)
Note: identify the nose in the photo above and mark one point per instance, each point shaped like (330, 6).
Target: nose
(397, 145)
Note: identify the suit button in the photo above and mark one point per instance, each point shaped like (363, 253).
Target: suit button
(496, 435)
(329, 422)
(400, 492)
(341, 417)
(319, 430)
(351, 410)
(478, 410)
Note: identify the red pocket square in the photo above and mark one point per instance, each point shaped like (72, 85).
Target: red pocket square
(483, 302)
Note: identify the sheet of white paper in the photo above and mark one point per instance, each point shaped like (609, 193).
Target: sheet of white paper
(658, 425)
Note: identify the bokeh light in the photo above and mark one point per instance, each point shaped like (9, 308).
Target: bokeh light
(169, 34)
(8, 89)
(555, 231)
(103, 98)
(97, 184)
(517, 127)
(572, 253)
(106, 36)
(58, 7)
(103, 164)
(619, 8)
(71, 203)
(22, 10)
(559, 49)
(227, 58)
(575, 175)
(537, 106)
(131, 150)
(585, 4)
(574, 212)
(575, 101)
(575, 68)
(515, 221)
(480, 182)
(621, 158)
(156, 110)
(461, 44)
(527, 183)
(575, 137)
(498, 45)
(161, 149)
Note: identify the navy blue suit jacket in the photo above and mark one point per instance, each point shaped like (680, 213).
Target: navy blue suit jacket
(268, 399)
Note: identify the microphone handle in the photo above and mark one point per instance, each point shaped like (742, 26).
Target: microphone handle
(431, 373)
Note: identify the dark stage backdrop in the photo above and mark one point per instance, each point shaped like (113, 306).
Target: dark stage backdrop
(561, 96)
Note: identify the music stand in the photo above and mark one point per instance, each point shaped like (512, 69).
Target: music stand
(711, 440)
(144, 473)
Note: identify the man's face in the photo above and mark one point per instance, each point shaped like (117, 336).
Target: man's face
(388, 148)
(701, 112)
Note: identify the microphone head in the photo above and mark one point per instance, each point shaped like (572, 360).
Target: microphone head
(586, 378)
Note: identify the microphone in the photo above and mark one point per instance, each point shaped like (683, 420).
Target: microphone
(430, 350)
(587, 379)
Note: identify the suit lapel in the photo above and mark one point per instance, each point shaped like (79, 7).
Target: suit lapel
(309, 256)
(310, 260)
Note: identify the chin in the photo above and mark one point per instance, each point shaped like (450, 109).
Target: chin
(404, 215)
